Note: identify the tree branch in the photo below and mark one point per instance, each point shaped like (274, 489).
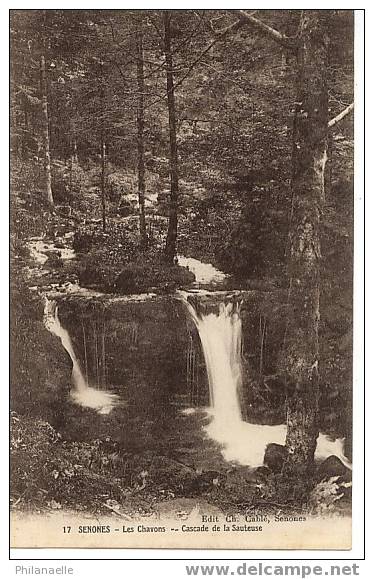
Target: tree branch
(341, 115)
(269, 31)
(219, 35)
(234, 26)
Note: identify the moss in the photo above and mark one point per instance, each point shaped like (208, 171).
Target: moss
(40, 367)
(143, 273)
(144, 277)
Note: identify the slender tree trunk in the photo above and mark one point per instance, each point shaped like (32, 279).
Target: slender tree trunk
(71, 174)
(96, 355)
(140, 124)
(102, 147)
(309, 159)
(171, 239)
(85, 352)
(103, 170)
(71, 166)
(75, 152)
(46, 146)
(262, 344)
(329, 167)
(73, 161)
(24, 151)
(103, 356)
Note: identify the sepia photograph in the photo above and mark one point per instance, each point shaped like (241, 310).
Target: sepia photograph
(181, 278)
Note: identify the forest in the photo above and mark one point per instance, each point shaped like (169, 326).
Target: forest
(181, 238)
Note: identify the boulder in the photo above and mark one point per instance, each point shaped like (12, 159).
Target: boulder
(275, 456)
(261, 474)
(203, 482)
(54, 260)
(332, 467)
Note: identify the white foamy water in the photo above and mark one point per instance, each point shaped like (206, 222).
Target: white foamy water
(220, 335)
(83, 394)
(99, 400)
(246, 443)
(221, 338)
(188, 411)
(39, 251)
(205, 273)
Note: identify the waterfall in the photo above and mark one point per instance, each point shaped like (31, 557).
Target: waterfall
(53, 325)
(82, 393)
(220, 333)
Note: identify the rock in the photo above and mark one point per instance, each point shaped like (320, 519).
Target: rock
(275, 456)
(262, 472)
(259, 476)
(54, 260)
(40, 366)
(126, 281)
(50, 234)
(203, 482)
(52, 252)
(331, 467)
(348, 446)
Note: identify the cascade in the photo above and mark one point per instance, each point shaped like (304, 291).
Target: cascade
(82, 393)
(220, 333)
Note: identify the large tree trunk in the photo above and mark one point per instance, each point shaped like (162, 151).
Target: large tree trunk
(309, 159)
(140, 124)
(171, 239)
(46, 147)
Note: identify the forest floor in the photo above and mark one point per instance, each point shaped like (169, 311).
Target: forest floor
(98, 477)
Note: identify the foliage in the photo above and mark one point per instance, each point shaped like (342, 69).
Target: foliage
(256, 245)
(29, 213)
(114, 262)
(235, 115)
(34, 389)
(48, 472)
(101, 476)
(121, 238)
(145, 272)
(325, 495)
(150, 274)
(67, 182)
